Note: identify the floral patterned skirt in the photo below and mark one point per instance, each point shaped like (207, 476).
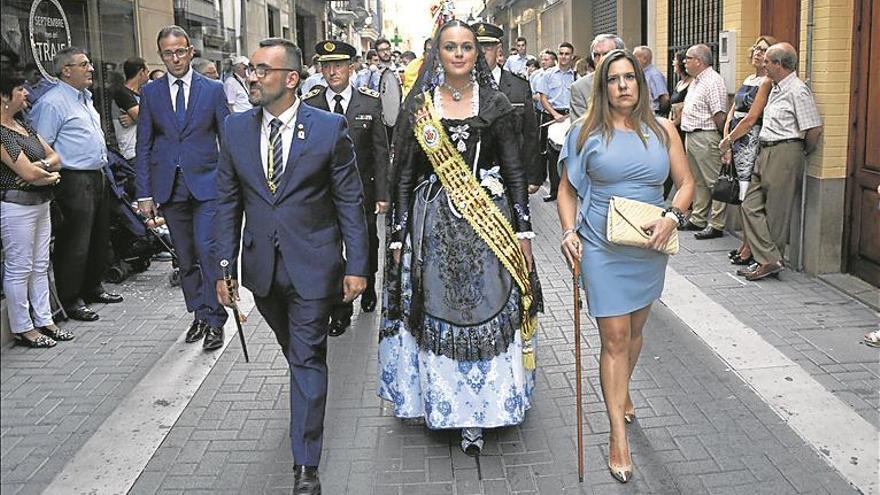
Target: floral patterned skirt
(462, 367)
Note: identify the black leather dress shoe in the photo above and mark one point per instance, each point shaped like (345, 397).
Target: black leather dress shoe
(548, 199)
(690, 226)
(708, 233)
(338, 327)
(82, 313)
(105, 298)
(306, 481)
(368, 301)
(213, 338)
(196, 331)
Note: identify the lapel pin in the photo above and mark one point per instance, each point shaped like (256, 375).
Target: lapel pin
(300, 132)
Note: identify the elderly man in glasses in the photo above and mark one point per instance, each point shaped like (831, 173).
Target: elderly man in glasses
(66, 118)
(182, 116)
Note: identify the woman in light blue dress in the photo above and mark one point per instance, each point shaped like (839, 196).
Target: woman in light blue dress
(619, 149)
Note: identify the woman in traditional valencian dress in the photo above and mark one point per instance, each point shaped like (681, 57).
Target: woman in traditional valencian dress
(461, 296)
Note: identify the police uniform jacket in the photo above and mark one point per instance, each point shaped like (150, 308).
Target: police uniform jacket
(519, 93)
(364, 116)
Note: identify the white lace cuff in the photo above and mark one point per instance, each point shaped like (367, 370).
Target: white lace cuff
(525, 235)
(395, 245)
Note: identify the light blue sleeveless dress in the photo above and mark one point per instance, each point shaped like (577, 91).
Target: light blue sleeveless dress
(618, 279)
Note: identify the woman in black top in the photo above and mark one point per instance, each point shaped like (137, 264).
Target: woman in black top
(28, 173)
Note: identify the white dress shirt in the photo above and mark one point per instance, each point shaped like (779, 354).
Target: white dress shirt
(346, 98)
(187, 84)
(288, 120)
(496, 74)
(237, 94)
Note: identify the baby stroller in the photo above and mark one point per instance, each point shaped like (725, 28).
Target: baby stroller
(134, 244)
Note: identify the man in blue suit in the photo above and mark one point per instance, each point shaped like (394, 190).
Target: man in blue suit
(181, 118)
(290, 170)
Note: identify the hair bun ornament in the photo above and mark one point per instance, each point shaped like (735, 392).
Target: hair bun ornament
(442, 12)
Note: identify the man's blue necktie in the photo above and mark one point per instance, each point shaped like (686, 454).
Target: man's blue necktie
(180, 104)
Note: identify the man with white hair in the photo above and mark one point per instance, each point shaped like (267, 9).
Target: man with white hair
(235, 87)
(656, 81)
(583, 87)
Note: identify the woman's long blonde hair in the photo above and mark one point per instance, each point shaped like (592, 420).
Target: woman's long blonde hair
(598, 117)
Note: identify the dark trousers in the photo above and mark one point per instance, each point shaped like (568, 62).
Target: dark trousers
(82, 242)
(342, 311)
(190, 223)
(552, 155)
(300, 326)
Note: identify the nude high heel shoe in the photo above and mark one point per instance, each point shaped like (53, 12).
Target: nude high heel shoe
(621, 473)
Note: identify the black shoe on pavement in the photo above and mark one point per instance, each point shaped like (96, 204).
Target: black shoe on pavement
(708, 233)
(213, 338)
(368, 301)
(82, 313)
(306, 481)
(338, 327)
(196, 331)
(549, 199)
(105, 298)
(691, 226)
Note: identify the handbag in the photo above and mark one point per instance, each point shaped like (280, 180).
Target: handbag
(625, 220)
(726, 188)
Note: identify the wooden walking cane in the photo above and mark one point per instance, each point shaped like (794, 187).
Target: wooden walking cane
(576, 275)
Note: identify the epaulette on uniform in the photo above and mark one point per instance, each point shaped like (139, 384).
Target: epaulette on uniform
(314, 92)
(369, 92)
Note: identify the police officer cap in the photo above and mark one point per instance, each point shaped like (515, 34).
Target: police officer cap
(487, 33)
(334, 51)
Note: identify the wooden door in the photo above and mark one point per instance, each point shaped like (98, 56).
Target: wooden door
(782, 20)
(862, 228)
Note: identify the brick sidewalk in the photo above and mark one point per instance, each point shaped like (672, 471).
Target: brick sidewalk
(814, 324)
(700, 428)
(54, 399)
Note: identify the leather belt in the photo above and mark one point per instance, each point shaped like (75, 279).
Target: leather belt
(700, 130)
(770, 144)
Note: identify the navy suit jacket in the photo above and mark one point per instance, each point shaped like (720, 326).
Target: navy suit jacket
(162, 145)
(317, 207)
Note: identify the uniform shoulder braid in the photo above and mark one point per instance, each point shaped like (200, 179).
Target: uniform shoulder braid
(369, 92)
(314, 92)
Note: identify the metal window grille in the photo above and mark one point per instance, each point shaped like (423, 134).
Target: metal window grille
(692, 22)
(604, 16)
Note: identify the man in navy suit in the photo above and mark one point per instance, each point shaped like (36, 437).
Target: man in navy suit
(181, 118)
(291, 172)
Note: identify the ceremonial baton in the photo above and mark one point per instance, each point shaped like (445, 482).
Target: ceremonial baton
(576, 275)
(236, 314)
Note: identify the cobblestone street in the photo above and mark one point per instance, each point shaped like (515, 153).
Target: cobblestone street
(127, 407)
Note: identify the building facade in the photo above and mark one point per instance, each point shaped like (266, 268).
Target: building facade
(837, 42)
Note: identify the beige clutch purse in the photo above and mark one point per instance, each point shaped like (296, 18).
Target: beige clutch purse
(625, 220)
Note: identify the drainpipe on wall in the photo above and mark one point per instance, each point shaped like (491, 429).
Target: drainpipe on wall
(808, 76)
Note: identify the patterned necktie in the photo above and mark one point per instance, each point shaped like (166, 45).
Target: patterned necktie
(276, 155)
(337, 108)
(180, 104)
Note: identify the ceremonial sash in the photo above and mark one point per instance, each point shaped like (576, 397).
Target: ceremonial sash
(475, 205)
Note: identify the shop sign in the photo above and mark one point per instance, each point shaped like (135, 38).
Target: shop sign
(50, 33)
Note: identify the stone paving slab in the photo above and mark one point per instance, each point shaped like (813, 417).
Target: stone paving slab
(54, 399)
(814, 324)
(700, 429)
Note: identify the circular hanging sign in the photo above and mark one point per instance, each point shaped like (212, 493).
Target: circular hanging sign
(49, 34)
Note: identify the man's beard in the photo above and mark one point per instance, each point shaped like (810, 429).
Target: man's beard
(263, 99)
